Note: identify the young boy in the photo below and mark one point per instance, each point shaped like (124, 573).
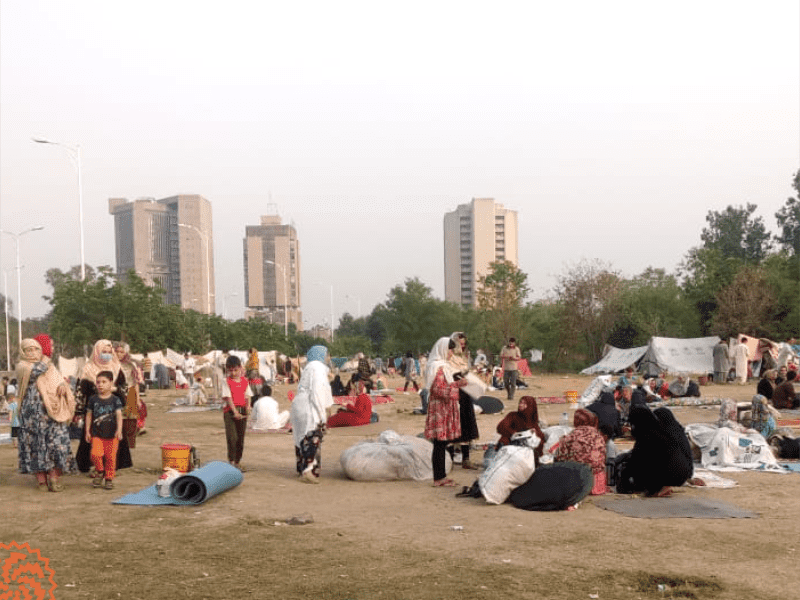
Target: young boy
(236, 408)
(13, 416)
(104, 429)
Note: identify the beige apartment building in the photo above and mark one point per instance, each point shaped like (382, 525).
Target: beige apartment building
(170, 244)
(272, 272)
(475, 235)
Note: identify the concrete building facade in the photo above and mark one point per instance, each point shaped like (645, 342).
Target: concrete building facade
(475, 235)
(272, 272)
(169, 243)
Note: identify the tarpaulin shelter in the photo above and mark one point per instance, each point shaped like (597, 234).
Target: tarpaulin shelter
(616, 359)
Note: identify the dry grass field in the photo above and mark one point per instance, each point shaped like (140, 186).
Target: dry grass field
(394, 539)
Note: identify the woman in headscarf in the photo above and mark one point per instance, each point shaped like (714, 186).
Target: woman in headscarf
(585, 444)
(103, 358)
(337, 387)
(309, 412)
(605, 407)
(525, 418)
(762, 416)
(443, 420)
(46, 406)
(729, 416)
(353, 415)
(251, 371)
(766, 384)
(459, 361)
(135, 410)
(661, 456)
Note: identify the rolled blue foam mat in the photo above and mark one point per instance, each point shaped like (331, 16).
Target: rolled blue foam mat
(192, 488)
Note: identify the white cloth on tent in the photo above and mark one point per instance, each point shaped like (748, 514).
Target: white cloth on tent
(616, 359)
(312, 400)
(267, 415)
(679, 355)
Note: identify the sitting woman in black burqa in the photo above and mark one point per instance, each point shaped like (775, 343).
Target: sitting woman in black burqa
(337, 387)
(609, 422)
(661, 455)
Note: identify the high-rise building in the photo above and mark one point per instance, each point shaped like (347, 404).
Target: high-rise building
(170, 244)
(475, 235)
(272, 272)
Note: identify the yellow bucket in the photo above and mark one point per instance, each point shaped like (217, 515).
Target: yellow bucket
(176, 456)
(571, 397)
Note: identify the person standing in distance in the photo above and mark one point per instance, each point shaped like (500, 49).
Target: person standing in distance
(509, 357)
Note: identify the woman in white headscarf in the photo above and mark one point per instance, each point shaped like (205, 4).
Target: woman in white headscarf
(309, 413)
(443, 421)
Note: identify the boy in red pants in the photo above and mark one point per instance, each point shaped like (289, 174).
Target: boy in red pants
(104, 429)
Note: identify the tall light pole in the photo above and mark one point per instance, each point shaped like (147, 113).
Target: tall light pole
(74, 153)
(208, 264)
(8, 339)
(285, 300)
(16, 237)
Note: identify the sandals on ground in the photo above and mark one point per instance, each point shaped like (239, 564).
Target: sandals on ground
(444, 483)
(55, 486)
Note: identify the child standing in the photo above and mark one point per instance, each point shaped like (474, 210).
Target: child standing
(236, 409)
(104, 429)
(13, 416)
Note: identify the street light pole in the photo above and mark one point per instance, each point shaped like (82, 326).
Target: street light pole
(74, 153)
(16, 237)
(208, 265)
(8, 339)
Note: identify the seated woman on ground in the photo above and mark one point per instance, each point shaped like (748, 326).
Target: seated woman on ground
(585, 444)
(352, 415)
(525, 418)
(337, 387)
(607, 411)
(380, 383)
(661, 455)
(766, 384)
(763, 415)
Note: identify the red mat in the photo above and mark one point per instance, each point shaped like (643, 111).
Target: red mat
(351, 399)
(788, 422)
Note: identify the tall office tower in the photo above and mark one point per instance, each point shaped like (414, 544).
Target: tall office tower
(272, 272)
(169, 243)
(475, 235)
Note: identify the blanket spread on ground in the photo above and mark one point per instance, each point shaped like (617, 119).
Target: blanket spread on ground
(675, 507)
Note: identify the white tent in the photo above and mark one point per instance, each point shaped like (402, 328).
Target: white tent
(616, 359)
(676, 355)
(672, 355)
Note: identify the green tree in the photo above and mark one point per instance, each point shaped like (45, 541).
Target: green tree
(589, 296)
(788, 218)
(746, 305)
(737, 233)
(501, 294)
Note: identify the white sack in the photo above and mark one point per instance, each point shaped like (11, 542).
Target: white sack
(510, 468)
(726, 450)
(390, 457)
(592, 393)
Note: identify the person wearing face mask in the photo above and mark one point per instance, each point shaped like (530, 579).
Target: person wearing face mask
(103, 358)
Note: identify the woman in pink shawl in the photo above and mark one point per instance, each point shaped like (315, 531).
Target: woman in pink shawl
(585, 444)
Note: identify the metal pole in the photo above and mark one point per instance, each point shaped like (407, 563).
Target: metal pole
(19, 292)
(80, 212)
(285, 307)
(8, 339)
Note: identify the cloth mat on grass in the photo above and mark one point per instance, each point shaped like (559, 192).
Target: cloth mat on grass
(351, 399)
(679, 507)
(190, 409)
(190, 489)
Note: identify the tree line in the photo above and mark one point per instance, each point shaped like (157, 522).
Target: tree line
(740, 278)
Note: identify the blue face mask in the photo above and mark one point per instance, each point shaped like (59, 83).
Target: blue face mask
(105, 356)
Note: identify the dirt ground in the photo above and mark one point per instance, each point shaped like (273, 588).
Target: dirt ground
(392, 539)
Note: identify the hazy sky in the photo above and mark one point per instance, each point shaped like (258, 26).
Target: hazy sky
(612, 127)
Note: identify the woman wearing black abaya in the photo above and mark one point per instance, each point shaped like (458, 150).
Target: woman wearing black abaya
(661, 456)
(605, 407)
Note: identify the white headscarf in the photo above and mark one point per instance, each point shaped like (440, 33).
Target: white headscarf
(437, 359)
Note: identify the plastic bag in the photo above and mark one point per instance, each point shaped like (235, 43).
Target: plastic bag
(165, 481)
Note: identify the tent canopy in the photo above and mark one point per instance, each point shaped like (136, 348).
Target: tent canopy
(671, 355)
(616, 359)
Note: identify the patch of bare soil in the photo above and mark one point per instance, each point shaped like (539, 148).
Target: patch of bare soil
(392, 539)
